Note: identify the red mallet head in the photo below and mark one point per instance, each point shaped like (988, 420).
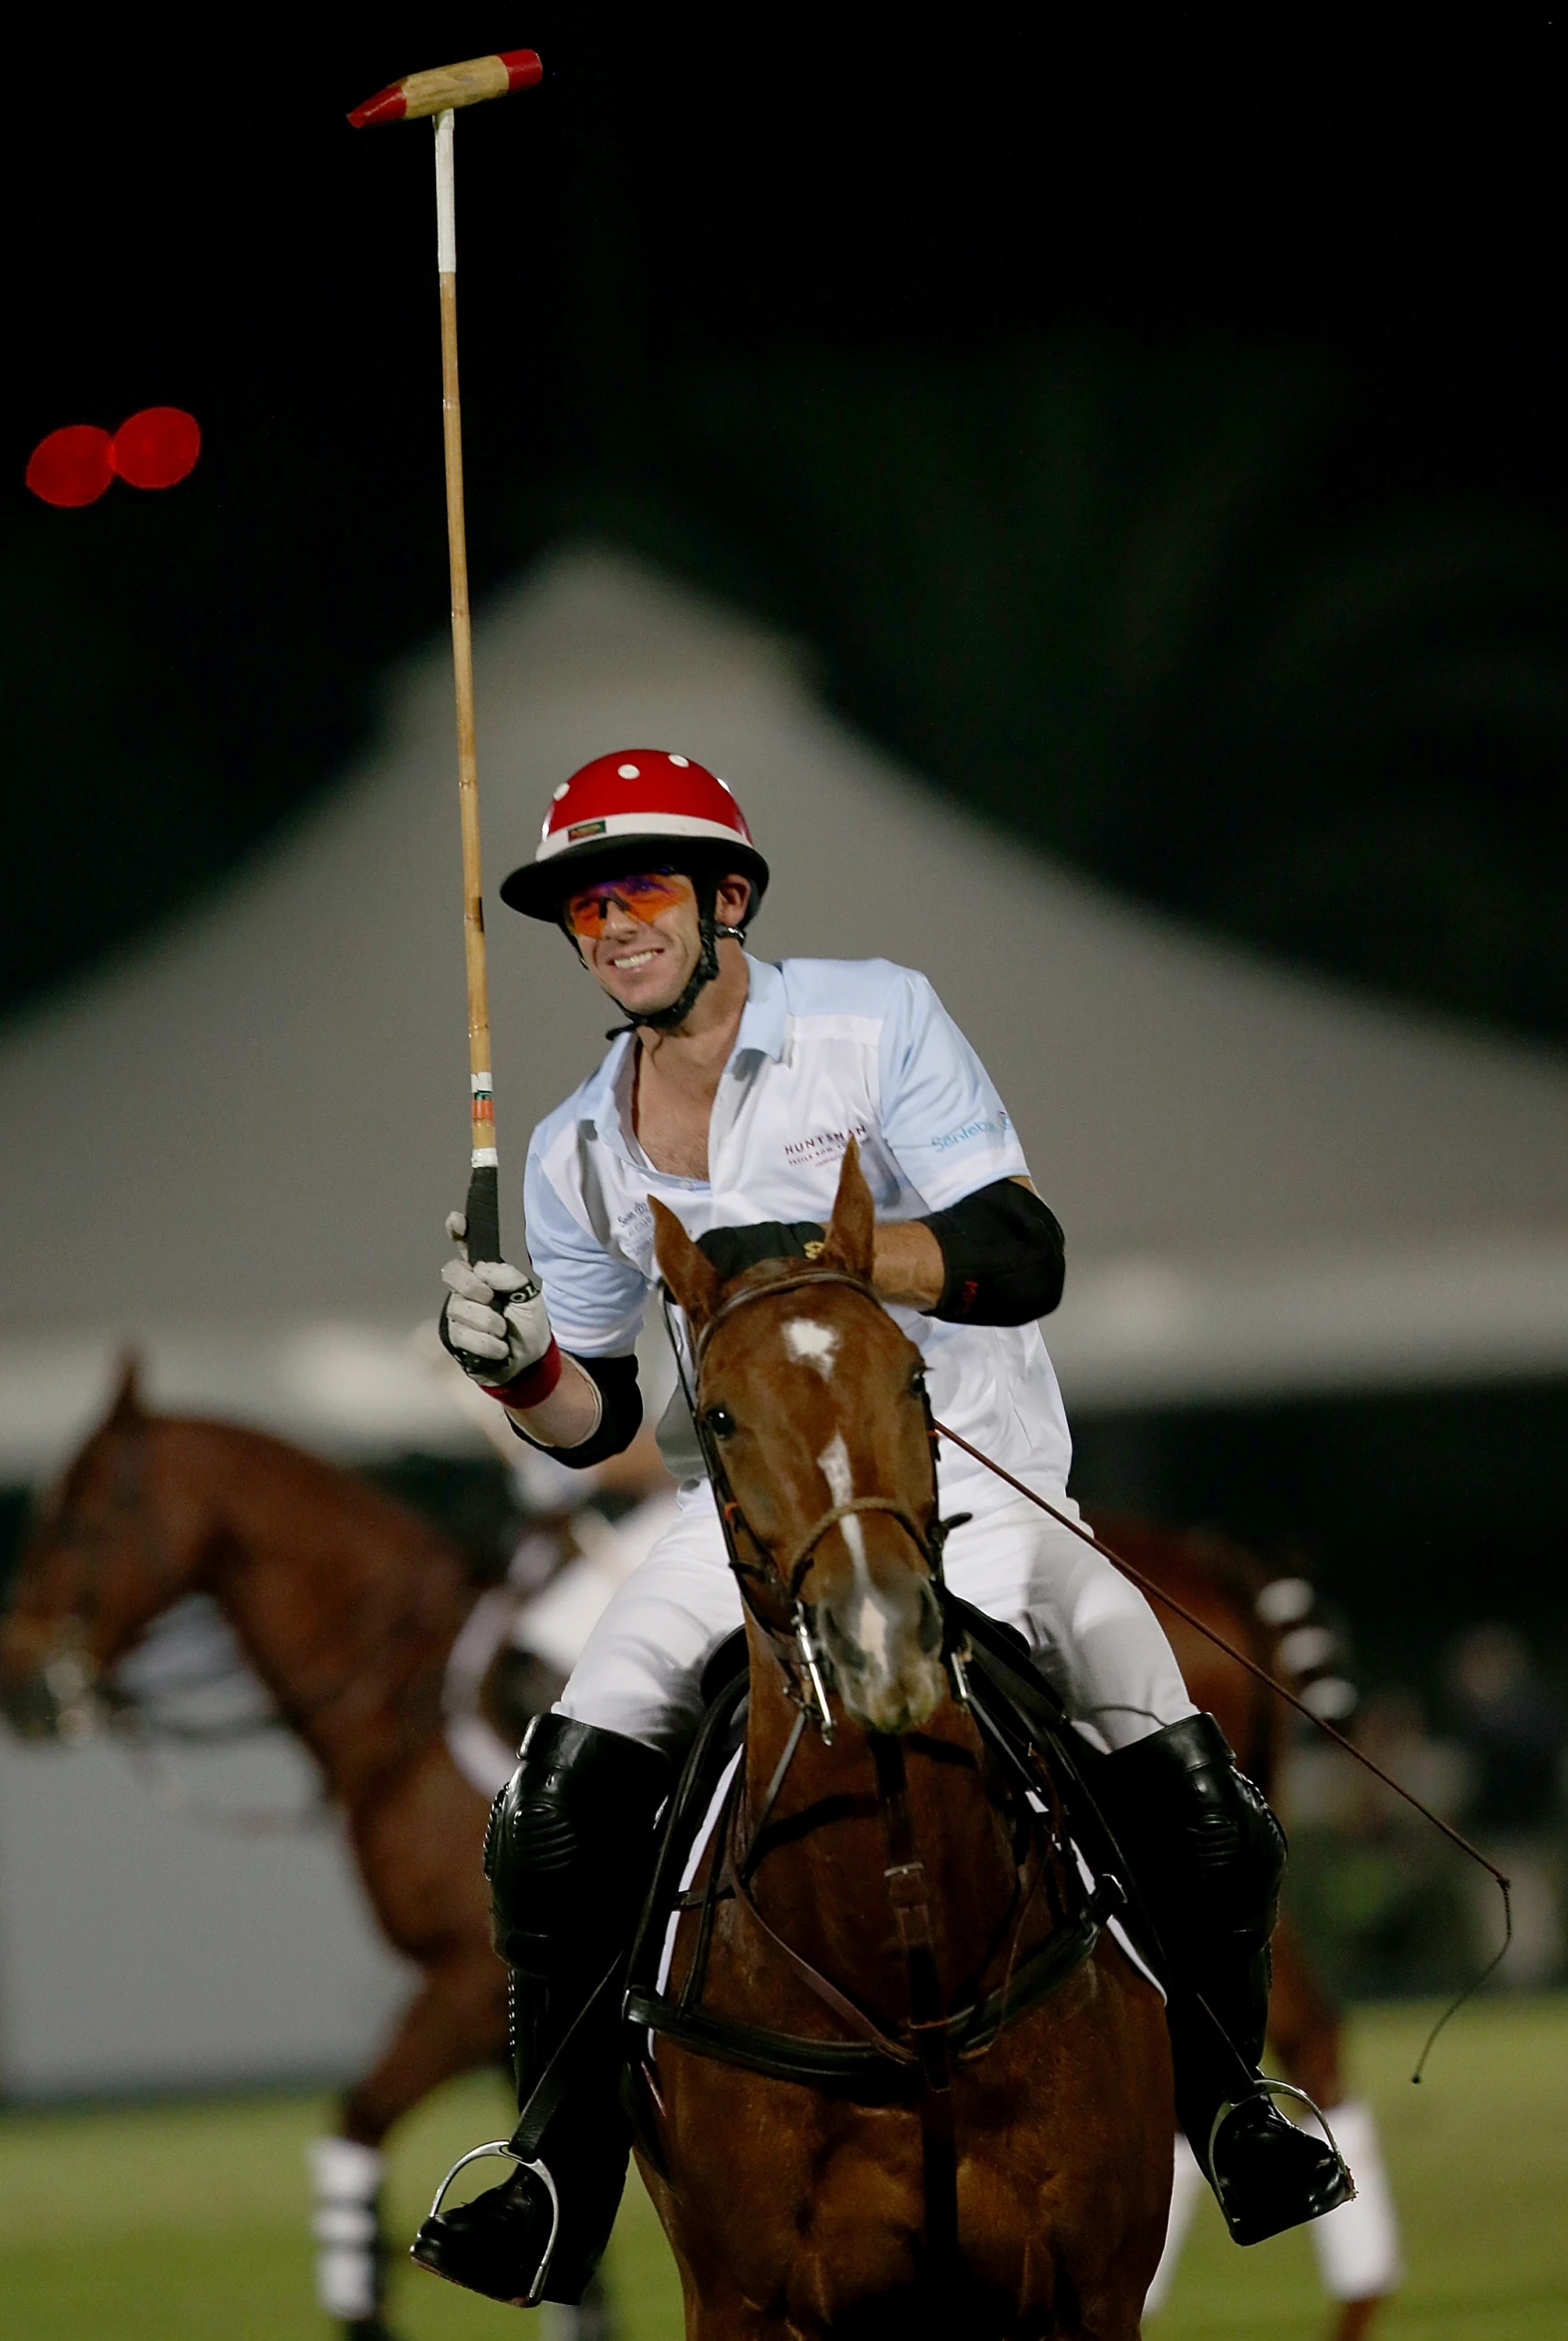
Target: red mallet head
(450, 85)
(157, 447)
(71, 466)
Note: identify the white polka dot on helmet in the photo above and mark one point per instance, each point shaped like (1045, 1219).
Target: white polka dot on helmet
(601, 820)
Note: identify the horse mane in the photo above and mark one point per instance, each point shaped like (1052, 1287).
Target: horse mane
(315, 1477)
(343, 1597)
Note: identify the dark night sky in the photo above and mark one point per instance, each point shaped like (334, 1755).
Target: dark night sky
(1350, 248)
(968, 358)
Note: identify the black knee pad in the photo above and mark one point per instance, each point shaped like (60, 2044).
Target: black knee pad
(570, 1842)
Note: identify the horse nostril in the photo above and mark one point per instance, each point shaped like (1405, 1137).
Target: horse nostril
(845, 1651)
(930, 1620)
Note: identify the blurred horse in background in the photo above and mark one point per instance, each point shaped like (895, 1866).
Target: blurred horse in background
(352, 1613)
(1273, 1621)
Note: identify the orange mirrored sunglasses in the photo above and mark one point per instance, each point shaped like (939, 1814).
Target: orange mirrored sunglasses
(644, 894)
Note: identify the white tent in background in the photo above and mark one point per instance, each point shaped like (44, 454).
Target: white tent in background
(235, 1150)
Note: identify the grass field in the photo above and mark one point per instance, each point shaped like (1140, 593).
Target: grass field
(185, 2223)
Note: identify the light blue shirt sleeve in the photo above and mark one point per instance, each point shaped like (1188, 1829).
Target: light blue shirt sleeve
(596, 1301)
(941, 1114)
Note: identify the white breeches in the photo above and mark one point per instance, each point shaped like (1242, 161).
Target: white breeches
(1093, 1635)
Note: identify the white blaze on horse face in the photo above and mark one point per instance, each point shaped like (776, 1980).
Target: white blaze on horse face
(870, 1621)
(813, 1345)
(833, 1464)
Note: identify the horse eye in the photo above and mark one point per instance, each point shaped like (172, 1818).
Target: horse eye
(917, 1382)
(719, 1422)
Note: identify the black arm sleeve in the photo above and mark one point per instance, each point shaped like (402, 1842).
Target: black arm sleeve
(618, 1425)
(1004, 1255)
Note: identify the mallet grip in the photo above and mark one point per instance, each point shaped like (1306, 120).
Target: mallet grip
(483, 1212)
(450, 85)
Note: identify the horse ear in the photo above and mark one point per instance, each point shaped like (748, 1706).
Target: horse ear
(851, 1230)
(126, 1406)
(690, 1274)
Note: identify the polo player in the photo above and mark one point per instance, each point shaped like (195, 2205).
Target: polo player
(730, 1093)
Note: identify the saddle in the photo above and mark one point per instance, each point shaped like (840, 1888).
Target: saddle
(1023, 1721)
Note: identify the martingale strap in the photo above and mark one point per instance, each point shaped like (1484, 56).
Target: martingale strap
(876, 2066)
(914, 2064)
(877, 2069)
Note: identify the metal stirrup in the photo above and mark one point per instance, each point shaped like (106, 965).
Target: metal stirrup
(499, 2145)
(1264, 2087)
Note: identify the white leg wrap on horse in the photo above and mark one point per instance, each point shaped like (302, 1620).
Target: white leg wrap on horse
(1358, 2245)
(1186, 2185)
(346, 2178)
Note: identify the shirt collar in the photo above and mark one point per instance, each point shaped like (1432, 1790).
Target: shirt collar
(764, 1019)
(764, 1027)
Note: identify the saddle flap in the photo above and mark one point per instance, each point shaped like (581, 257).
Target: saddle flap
(721, 1732)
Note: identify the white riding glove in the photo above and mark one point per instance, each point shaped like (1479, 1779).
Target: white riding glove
(495, 1322)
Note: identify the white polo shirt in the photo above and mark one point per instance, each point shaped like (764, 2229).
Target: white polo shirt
(827, 1049)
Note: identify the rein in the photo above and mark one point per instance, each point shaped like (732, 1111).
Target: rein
(1272, 1682)
(877, 2065)
(86, 1696)
(790, 1573)
(1281, 1691)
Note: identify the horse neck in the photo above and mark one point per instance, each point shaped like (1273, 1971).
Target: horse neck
(823, 1886)
(345, 1605)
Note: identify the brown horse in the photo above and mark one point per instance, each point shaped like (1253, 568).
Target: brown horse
(1224, 1584)
(1221, 1582)
(346, 1606)
(892, 1877)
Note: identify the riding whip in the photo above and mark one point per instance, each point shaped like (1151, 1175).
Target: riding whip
(1281, 1692)
(440, 92)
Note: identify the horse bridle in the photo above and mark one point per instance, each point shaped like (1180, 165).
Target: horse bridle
(930, 2050)
(789, 1572)
(86, 1695)
(74, 1678)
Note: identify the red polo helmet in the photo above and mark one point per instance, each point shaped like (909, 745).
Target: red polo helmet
(638, 807)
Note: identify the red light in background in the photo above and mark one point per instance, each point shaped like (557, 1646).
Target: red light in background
(157, 447)
(153, 448)
(71, 466)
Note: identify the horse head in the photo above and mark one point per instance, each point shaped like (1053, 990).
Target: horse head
(811, 1403)
(95, 1573)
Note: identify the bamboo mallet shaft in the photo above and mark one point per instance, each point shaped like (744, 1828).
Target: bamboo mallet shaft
(483, 1107)
(440, 92)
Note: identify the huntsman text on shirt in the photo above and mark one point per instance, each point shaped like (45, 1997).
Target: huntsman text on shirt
(828, 1050)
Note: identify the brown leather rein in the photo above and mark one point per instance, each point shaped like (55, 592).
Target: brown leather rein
(90, 1697)
(1086, 1534)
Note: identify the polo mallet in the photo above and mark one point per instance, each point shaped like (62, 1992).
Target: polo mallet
(441, 93)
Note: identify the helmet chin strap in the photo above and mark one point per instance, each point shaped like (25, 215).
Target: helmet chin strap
(711, 931)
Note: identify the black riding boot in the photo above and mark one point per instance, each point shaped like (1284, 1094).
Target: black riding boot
(1206, 1857)
(568, 1855)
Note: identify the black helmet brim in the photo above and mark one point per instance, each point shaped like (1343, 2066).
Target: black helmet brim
(539, 889)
